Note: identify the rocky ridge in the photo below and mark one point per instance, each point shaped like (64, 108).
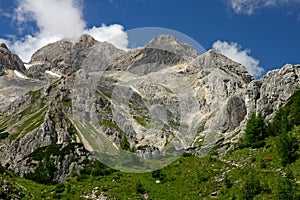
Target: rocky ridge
(10, 62)
(65, 57)
(13, 77)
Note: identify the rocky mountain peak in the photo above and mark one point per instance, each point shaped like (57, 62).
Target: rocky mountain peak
(66, 56)
(163, 39)
(170, 43)
(10, 62)
(213, 59)
(275, 88)
(13, 79)
(62, 47)
(3, 45)
(87, 39)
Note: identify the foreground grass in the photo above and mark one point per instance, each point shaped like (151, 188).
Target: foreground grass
(189, 177)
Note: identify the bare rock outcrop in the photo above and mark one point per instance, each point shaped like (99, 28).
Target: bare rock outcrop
(9, 61)
(13, 80)
(65, 57)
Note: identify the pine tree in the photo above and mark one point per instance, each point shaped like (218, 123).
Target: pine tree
(287, 147)
(251, 188)
(255, 131)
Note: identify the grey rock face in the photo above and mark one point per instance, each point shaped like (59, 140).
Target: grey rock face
(225, 91)
(274, 89)
(171, 44)
(37, 120)
(145, 61)
(212, 59)
(9, 61)
(12, 86)
(66, 56)
(236, 112)
(43, 117)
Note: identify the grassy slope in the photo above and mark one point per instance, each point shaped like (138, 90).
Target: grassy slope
(30, 118)
(187, 178)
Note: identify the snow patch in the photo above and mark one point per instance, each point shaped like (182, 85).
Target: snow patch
(20, 75)
(27, 66)
(52, 74)
(134, 89)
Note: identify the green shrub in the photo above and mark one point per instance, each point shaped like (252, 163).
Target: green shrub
(284, 189)
(4, 135)
(287, 148)
(158, 174)
(186, 154)
(60, 188)
(286, 117)
(2, 169)
(67, 103)
(255, 131)
(44, 173)
(251, 187)
(125, 145)
(96, 169)
(227, 182)
(140, 188)
(143, 120)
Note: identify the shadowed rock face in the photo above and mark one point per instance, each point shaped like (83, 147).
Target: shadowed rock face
(145, 61)
(9, 61)
(236, 112)
(12, 86)
(150, 96)
(275, 88)
(170, 43)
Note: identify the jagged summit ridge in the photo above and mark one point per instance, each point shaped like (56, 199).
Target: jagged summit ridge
(10, 62)
(3, 45)
(66, 56)
(170, 43)
(213, 59)
(13, 77)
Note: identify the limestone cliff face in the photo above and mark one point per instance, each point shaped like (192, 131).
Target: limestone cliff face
(9, 61)
(65, 57)
(160, 94)
(40, 120)
(273, 90)
(13, 83)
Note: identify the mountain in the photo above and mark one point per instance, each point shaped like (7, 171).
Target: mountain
(10, 62)
(158, 102)
(13, 77)
(170, 43)
(65, 57)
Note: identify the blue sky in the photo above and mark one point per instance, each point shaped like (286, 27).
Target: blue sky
(258, 33)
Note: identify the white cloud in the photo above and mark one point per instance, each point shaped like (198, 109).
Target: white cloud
(28, 45)
(250, 6)
(235, 52)
(113, 34)
(53, 17)
(4, 41)
(57, 19)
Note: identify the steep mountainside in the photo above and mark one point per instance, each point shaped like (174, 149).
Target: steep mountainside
(156, 101)
(13, 77)
(10, 62)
